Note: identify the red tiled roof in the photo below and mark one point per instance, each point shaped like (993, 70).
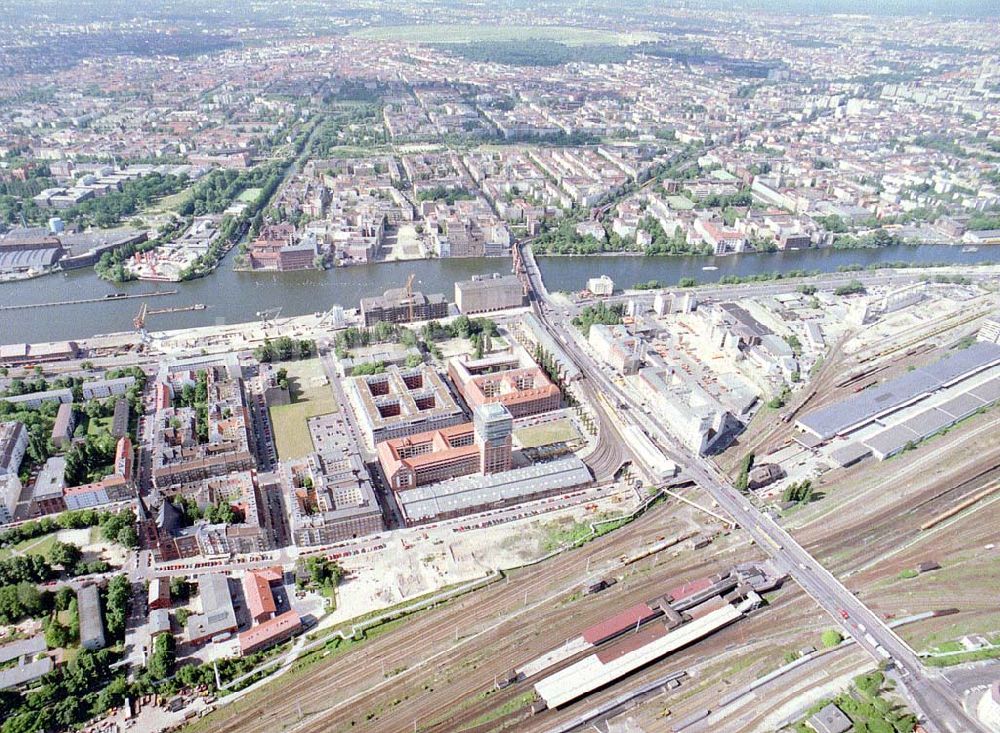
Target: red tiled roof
(260, 600)
(689, 588)
(271, 629)
(618, 623)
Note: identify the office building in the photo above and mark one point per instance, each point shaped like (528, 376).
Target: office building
(602, 286)
(402, 401)
(62, 430)
(21, 354)
(485, 294)
(331, 498)
(102, 388)
(10, 494)
(273, 631)
(477, 493)
(521, 387)
(482, 446)
(34, 400)
(158, 596)
(47, 493)
(400, 306)
(119, 421)
(494, 427)
(616, 347)
(217, 615)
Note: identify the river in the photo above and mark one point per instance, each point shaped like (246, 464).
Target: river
(233, 297)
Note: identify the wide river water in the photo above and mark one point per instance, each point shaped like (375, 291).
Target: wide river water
(233, 297)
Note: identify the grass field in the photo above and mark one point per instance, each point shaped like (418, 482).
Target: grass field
(472, 33)
(35, 546)
(249, 196)
(170, 203)
(98, 425)
(310, 397)
(559, 431)
(680, 203)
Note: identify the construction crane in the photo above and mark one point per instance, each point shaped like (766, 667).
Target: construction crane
(409, 294)
(271, 314)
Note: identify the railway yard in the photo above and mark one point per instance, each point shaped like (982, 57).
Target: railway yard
(495, 658)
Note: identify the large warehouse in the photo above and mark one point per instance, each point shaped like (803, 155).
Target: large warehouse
(877, 402)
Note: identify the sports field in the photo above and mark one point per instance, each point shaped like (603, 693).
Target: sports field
(311, 396)
(496, 33)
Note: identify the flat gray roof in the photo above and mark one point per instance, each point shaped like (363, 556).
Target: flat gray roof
(961, 405)
(217, 614)
(850, 453)
(21, 648)
(62, 395)
(988, 392)
(22, 673)
(467, 493)
(891, 440)
(928, 422)
(868, 404)
(91, 619)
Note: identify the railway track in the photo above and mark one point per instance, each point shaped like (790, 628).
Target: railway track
(605, 461)
(357, 673)
(651, 587)
(874, 534)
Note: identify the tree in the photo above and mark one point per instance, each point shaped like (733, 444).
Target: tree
(161, 661)
(831, 638)
(120, 528)
(116, 605)
(180, 589)
(64, 596)
(852, 288)
(56, 635)
(65, 554)
(745, 465)
(24, 569)
(21, 600)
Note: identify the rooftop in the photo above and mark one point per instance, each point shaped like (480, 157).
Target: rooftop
(894, 393)
(470, 492)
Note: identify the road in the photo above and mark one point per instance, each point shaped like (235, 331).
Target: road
(929, 693)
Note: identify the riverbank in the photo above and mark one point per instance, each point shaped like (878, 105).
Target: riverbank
(236, 297)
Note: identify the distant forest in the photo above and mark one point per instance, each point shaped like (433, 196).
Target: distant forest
(552, 53)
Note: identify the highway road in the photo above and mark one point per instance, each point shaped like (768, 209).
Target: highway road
(931, 697)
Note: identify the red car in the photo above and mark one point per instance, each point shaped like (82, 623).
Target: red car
(844, 614)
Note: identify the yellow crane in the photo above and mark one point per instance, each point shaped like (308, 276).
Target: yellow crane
(409, 294)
